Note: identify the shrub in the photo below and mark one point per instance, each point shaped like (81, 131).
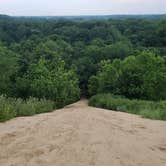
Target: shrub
(11, 107)
(142, 77)
(34, 106)
(6, 109)
(147, 109)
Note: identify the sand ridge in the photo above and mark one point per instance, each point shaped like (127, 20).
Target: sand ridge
(79, 135)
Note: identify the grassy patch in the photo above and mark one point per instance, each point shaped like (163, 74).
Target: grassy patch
(147, 109)
(11, 107)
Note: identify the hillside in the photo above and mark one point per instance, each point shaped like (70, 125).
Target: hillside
(79, 135)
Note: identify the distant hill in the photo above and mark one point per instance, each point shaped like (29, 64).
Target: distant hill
(95, 17)
(105, 17)
(4, 16)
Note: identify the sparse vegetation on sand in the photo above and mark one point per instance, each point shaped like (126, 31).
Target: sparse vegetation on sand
(147, 109)
(12, 107)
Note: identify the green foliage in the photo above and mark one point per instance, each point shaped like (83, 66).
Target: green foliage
(161, 32)
(85, 69)
(6, 109)
(47, 77)
(11, 107)
(57, 58)
(33, 106)
(120, 49)
(8, 67)
(93, 85)
(142, 76)
(147, 109)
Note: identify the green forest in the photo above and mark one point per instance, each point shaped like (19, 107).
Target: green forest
(47, 63)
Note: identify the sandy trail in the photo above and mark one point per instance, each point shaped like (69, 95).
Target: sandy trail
(79, 135)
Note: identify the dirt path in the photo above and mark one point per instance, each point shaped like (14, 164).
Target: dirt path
(79, 135)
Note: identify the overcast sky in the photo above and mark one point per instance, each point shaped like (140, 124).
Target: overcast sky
(81, 7)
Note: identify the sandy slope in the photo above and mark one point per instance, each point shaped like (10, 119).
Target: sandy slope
(79, 135)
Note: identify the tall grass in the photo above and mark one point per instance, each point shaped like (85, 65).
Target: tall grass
(12, 107)
(147, 109)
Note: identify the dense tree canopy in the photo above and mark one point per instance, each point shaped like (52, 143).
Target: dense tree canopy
(58, 58)
(8, 67)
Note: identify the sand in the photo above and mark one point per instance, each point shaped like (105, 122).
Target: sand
(79, 135)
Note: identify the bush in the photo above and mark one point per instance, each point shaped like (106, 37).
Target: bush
(147, 109)
(156, 114)
(11, 107)
(142, 77)
(7, 110)
(34, 106)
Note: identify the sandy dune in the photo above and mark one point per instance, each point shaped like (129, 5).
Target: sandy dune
(79, 135)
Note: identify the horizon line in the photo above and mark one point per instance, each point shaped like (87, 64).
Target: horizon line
(76, 15)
